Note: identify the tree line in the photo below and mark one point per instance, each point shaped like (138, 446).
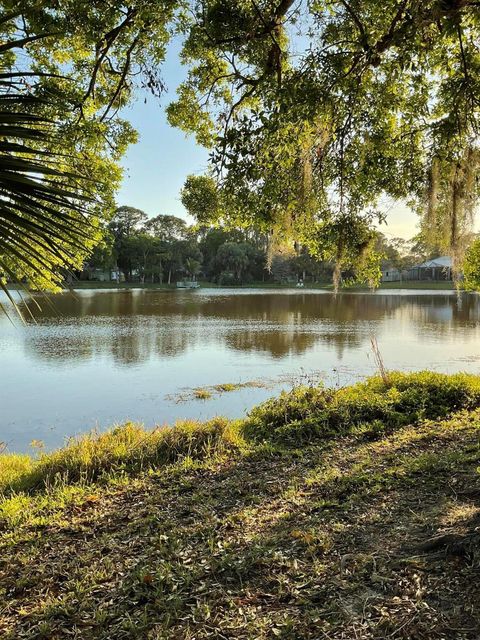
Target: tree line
(164, 249)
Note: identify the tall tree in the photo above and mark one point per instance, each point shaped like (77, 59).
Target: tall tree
(66, 69)
(308, 131)
(125, 227)
(167, 227)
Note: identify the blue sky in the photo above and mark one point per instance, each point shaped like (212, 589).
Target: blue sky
(156, 167)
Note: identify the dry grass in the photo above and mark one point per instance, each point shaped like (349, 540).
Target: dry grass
(202, 394)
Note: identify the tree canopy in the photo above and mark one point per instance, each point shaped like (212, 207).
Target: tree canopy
(66, 69)
(314, 110)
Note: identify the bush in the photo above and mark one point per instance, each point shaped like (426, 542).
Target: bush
(307, 413)
(471, 267)
(227, 278)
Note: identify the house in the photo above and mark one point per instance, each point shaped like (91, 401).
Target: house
(435, 269)
(102, 275)
(391, 274)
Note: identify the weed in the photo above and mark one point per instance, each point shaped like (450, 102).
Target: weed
(202, 394)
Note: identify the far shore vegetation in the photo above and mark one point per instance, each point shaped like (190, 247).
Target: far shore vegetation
(159, 252)
(445, 285)
(407, 284)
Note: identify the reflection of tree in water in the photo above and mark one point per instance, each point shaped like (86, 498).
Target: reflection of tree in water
(271, 307)
(134, 326)
(294, 309)
(280, 342)
(50, 344)
(277, 343)
(133, 341)
(441, 314)
(147, 338)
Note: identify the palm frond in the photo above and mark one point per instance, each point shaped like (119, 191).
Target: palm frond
(44, 205)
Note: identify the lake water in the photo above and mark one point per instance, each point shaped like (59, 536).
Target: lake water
(95, 358)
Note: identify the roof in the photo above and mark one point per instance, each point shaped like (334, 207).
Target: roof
(442, 262)
(389, 267)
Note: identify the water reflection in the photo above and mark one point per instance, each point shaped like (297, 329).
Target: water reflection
(104, 356)
(131, 327)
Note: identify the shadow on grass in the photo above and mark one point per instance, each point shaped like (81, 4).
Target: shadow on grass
(330, 540)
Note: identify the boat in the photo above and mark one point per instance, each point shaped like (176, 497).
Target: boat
(188, 284)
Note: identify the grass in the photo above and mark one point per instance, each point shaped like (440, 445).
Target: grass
(325, 514)
(421, 285)
(93, 284)
(227, 387)
(207, 393)
(412, 284)
(127, 448)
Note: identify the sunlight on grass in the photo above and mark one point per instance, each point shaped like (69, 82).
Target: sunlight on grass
(123, 449)
(236, 521)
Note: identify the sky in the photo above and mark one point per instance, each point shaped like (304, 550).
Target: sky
(156, 167)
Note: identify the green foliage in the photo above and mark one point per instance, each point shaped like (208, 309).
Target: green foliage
(164, 248)
(234, 257)
(471, 267)
(321, 109)
(147, 248)
(126, 221)
(201, 198)
(167, 228)
(379, 98)
(307, 413)
(67, 68)
(12, 467)
(281, 267)
(47, 209)
(128, 448)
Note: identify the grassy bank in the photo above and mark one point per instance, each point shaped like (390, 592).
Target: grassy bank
(414, 285)
(325, 514)
(92, 284)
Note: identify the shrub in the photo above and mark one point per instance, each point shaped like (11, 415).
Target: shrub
(307, 413)
(471, 267)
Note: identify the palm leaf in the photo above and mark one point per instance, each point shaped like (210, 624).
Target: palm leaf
(44, 206)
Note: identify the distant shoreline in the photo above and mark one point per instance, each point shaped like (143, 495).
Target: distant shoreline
(324, 286)
(425, 285)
